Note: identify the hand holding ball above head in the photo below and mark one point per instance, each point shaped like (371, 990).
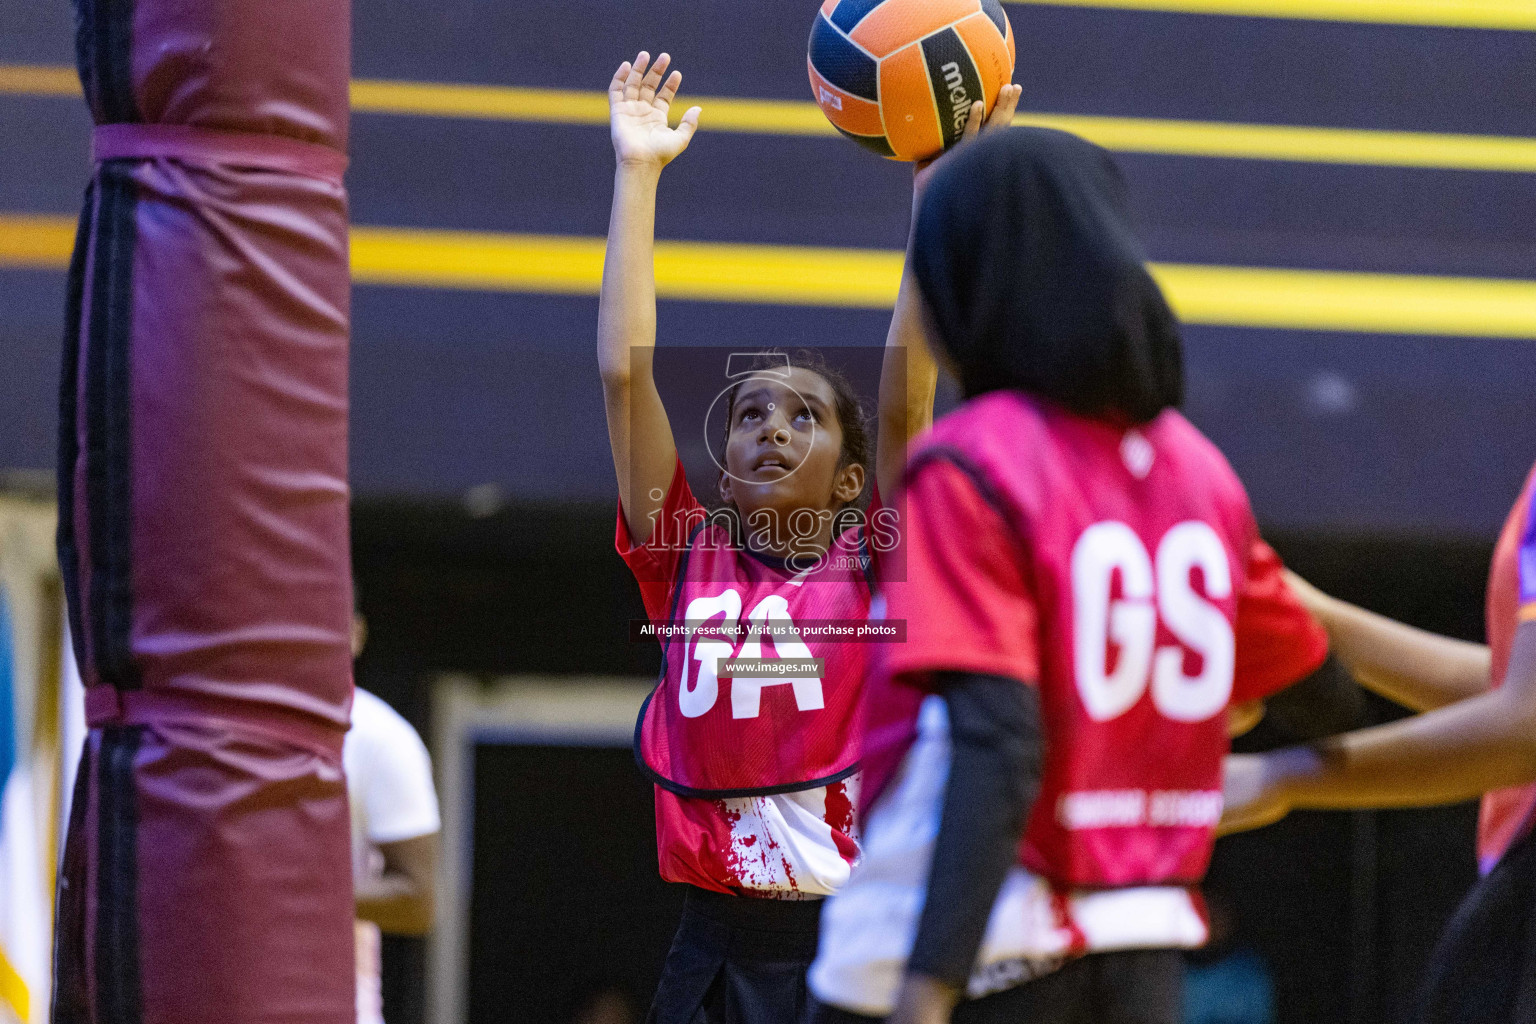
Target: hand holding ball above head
(900, 77)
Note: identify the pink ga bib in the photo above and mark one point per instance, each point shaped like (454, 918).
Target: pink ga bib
(706, 731)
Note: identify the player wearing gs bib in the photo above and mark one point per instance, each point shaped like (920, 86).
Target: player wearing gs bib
(1476, 737)
(1086, 593)
(754, 769)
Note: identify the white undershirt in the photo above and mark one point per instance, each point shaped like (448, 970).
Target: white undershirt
(868, 927)
(389, 786)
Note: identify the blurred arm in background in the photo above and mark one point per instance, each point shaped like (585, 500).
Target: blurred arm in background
(1455, 753)
(1416, 668)
(1323, 701)
(401, 900)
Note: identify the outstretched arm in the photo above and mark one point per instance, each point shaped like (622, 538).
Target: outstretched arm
(1416, 668)
(1483, 743)
(908, 379)
(402, 900)
(909, 375)
(644, 453)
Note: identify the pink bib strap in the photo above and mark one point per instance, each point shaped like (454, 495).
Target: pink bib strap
(207, 145)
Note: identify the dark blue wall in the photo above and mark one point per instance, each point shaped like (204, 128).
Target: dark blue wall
(1335, 432)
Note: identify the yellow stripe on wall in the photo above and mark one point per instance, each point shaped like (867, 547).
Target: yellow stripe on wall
(1230, 140)
(1515, 15)
(38, 80)
(1310, 300)
(570, 106)
(1123, 134)
(482, 102)
(1298, 143)
(35, 243)
(13, 990)
(777, 274)
(1330, 300)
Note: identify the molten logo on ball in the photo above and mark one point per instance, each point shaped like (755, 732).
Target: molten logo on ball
(899, 76)
(960, 100)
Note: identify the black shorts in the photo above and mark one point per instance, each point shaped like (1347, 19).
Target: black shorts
(739, 960)
(1483, 970)
(1130, 987)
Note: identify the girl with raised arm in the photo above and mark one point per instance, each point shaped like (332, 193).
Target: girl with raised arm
(755, 770)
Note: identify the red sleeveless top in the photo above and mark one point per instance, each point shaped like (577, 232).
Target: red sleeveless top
(708, 731)
(1118, 570)
(1507, 814)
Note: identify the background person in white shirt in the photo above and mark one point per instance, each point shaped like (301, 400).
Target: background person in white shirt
(395, 824)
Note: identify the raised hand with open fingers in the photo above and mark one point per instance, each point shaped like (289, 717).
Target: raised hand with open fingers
(639, 98)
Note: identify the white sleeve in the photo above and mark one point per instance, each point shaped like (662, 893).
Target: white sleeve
(396, 782)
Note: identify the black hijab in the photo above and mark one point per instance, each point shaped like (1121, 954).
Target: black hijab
(1026, 258)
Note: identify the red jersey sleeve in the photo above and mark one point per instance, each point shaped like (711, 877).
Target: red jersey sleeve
(1525, 555)
(655, 562)
(1278, 641)
(965, 599)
